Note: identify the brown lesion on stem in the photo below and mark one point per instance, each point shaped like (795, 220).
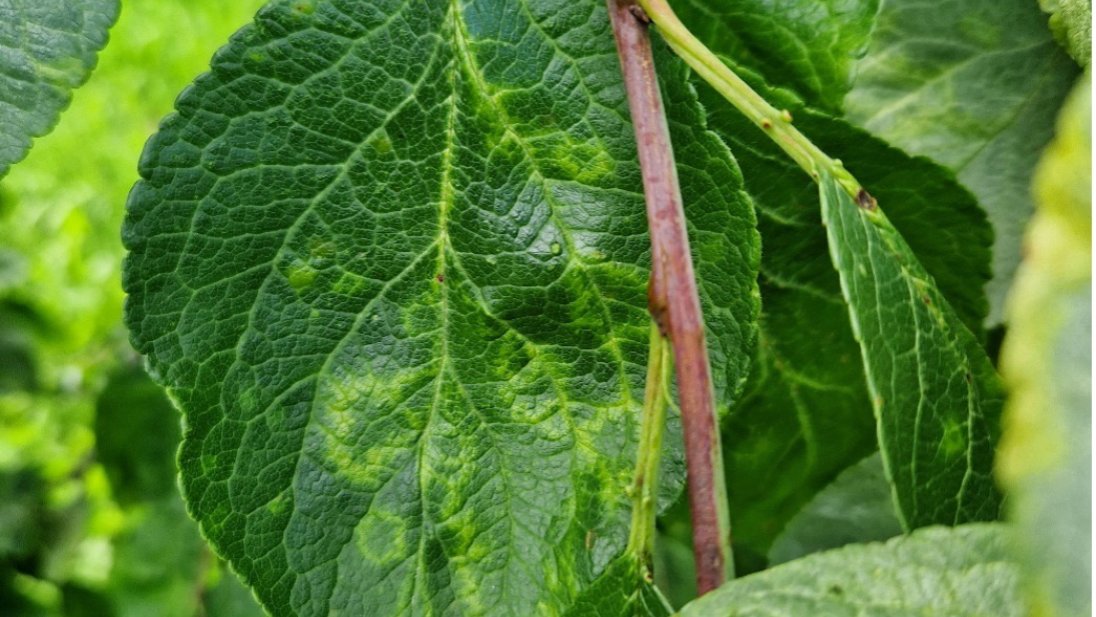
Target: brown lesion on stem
(673, 297)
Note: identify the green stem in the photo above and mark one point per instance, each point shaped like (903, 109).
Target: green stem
(777, 124)
(645, 486)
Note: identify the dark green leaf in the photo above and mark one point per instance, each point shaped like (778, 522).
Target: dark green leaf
(808, 45)
(937, 572)
(857, 507)
(47, 49)
(806, 412)
(937, 398)
(136, 435)
(1046, 452)
(972, 85)
(390, 260)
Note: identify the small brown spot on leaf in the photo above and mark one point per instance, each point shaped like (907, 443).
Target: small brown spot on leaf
(866, 201)
(766, 124)
(440, 278)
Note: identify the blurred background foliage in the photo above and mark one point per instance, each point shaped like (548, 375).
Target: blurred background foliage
(91, 522)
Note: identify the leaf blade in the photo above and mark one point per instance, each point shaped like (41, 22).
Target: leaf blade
(959, 572)
(401, 300)
(49, 50)
(1046, 457)
(968, 84)
(937, 398)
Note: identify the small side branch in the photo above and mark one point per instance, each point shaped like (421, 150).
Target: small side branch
(675, 303)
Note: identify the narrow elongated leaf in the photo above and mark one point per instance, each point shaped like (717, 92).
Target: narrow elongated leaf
(806, 414)
(937, 572)
(47, 49)
(810, 46)
(1046, 451)
(391, 261)
(971, 84)
(937, 397)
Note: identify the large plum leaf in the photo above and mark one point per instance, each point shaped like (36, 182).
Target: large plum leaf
(390, 259)
(806, 414)
(47, 49)
(937, 398)
(1046, 451)
(972, 84)
(936, 572)
(810, 46)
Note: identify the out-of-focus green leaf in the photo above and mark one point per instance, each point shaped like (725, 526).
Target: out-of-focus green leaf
(858, 507)
(937, 572)
(47, 49)
(937, 397)
(137, 431)
(971, 84)
(1046, 453)
(1071, 22)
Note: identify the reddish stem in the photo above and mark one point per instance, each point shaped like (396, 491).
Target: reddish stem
(674, 301)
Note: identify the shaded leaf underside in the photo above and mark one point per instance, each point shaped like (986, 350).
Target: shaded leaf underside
(47, 49)
(390, 258)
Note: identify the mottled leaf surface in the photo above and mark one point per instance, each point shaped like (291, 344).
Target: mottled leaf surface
(390, 259)
(937, 397)
(621, 591)
(1046, 451)
(856, 507)
(810, 46)
(936, 572)
(47, 49)
(972, 84)
(806, 414)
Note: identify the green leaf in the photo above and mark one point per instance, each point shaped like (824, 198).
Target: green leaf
(857, 507)
(936, 572)
(968, 83)
(810, 46)
(48, 49)
(1046, 451)
(390, 259)
(806, 414)
(1071, 23)
(621, 591)
(937, 397)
